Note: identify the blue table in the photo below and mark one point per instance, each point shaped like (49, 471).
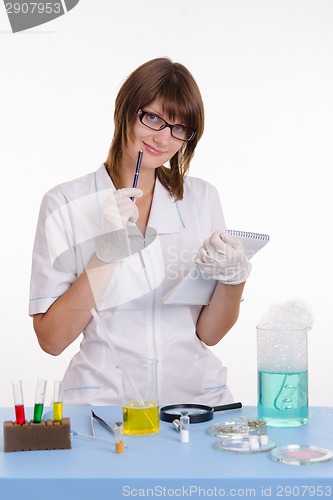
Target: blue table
(160, 466)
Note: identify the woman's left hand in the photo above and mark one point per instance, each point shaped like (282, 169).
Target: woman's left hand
(223, 257)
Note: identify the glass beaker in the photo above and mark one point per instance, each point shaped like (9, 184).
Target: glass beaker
(140, 396)
(282, 376)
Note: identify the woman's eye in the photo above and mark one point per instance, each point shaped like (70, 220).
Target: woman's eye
(179, 128)
(152, 118)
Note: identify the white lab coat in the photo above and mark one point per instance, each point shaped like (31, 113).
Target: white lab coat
(131, 310)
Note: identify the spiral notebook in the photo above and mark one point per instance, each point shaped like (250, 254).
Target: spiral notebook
(194, 289)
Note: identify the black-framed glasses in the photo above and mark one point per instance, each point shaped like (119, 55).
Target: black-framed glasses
(155, 122)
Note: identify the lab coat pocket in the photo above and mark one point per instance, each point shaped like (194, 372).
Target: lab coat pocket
(93, 387)
(82, 387)
(214, 388)
(214, 379)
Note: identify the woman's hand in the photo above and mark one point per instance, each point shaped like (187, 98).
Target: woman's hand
(117, 210)
(223, 257)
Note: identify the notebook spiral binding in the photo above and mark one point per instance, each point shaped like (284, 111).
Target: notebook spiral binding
(247, 234)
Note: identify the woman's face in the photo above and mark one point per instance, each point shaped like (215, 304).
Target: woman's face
(158, 146)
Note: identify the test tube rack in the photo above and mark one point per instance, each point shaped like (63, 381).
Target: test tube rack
(46, 435)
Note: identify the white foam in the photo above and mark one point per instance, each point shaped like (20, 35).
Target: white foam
(289, 315)
(282, 337)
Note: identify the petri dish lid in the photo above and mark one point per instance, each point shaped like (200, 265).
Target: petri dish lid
(298, 454)
(242, 444)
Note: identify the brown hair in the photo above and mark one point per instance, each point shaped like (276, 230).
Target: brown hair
(180, 95)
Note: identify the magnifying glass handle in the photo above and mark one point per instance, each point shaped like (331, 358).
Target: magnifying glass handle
(231, 406)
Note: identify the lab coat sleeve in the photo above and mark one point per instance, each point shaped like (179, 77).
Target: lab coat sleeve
(47, 283)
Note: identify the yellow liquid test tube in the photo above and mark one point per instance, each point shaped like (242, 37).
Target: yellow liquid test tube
(58, 400)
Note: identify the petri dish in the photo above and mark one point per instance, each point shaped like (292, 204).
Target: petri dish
(298, 454)
(241, 444)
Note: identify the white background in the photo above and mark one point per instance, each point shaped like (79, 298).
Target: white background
(265, 69)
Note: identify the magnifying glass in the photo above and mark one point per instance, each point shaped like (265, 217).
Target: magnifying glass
(197, 413)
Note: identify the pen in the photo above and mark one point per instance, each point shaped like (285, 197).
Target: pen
(137, 170)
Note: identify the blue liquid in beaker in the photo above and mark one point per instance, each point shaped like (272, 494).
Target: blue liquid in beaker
(283, 398)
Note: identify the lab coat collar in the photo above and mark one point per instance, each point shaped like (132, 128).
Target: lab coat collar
(165, 216)
(102, 179)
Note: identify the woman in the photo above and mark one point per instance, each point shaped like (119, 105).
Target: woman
(105, 254)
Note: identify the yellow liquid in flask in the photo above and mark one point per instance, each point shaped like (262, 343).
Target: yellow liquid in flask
(140, 419)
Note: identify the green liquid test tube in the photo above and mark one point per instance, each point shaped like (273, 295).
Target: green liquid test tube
(39, 400)
(38, 413)
(57, 400)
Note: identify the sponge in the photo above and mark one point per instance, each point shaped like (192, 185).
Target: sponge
(46, 435)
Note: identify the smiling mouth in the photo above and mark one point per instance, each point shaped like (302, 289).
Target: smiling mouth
(152, 150)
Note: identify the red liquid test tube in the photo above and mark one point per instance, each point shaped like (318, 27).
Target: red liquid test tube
(18, 402)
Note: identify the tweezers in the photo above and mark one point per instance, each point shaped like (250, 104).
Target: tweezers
(102, 422)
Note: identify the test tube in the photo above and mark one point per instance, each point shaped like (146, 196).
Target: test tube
(39, 400)
(18, 402)
(58, 400)
(119, 437)
(184, 428)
